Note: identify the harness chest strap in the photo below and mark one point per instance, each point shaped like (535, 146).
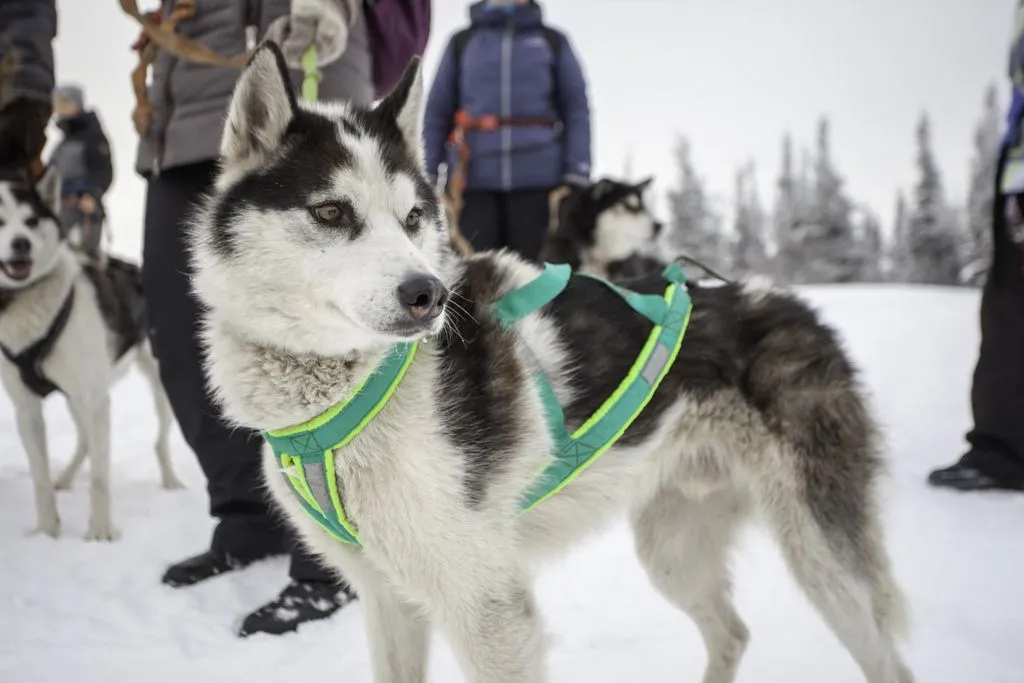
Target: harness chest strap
(30, 360)
(306, 452)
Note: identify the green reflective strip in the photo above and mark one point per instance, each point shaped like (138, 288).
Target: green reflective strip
(539, 291)
(339, 425)
(575, 453)
(339, 509)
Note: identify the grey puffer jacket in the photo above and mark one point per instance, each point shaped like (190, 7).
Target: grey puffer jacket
(190, 100)
(27, 29)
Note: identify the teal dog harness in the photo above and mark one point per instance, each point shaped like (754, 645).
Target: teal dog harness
(306, 452)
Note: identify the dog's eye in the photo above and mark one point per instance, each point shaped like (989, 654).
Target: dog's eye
(331, 213)
(31, 222)
(412, 220)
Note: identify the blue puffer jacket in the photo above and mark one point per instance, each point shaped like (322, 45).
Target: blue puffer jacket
(507, 70)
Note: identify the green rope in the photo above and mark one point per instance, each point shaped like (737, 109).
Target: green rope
(311, 75)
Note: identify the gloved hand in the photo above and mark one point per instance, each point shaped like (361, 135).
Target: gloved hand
(319, 22)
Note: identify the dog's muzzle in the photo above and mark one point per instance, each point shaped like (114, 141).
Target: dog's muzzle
(423, 297)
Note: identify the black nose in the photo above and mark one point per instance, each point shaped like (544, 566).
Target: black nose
(20, 246)
(424, 296)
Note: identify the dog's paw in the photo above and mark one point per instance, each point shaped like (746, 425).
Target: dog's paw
(64, 482)
(102, 532)
(48, 528)
(172, 483)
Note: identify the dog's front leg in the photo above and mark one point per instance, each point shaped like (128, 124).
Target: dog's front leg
(92, 411)
(28, 410)
(399, 637)
(496, 631)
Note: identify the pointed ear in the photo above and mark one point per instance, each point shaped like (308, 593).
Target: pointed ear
(601, 188)
(48, 189)
(404, 104)
(262, 106)
(642, 185)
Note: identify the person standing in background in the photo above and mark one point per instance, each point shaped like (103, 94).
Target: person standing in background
(995, 459)
(511, 98)
(27, 30)
(84, 162)
(177, 156)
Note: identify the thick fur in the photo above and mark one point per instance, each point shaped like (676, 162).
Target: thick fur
(107, 316)
(762, 412)
(605, 229)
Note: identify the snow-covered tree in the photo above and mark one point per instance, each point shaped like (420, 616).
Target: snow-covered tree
(898, 262)
(695, 228)
(932, 239)
(749, 254)
(828, 248)
(789, 212)
(870, 249)
(976, 247)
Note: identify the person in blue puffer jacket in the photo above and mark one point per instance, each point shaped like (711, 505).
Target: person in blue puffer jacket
(511, 89)
(995, 457)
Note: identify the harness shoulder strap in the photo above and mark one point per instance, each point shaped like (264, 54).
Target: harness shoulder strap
(30, 361)
(522, 301)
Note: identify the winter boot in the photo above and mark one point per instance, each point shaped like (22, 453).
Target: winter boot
(299, 602)
(981, 470)
(204, 566)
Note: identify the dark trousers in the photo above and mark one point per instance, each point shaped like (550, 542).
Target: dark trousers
(997, 393)
(517, 220)
(230, 458)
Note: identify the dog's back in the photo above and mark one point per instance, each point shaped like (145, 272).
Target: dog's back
(118, 285)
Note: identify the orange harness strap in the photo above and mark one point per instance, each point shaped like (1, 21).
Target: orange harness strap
(457, 183)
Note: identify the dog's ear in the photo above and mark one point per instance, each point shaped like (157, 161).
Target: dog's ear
(48, 189)
(404, 104)
(600, 189)
(262, 106)
(643, 185)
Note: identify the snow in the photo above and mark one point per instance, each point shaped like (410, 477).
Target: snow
(72, 611)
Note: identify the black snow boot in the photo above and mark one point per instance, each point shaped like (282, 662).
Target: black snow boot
(299, 602)
(204, 566)
(981, 470)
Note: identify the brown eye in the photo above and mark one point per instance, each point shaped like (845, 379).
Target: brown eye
(331, 213)
(412, 221)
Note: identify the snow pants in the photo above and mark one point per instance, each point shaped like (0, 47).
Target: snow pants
(997, 393)
(517, 220)
(229, 458)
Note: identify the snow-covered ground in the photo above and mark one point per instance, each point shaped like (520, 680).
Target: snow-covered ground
(75, 612)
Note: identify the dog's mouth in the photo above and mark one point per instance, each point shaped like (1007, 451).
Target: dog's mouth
(17, 269)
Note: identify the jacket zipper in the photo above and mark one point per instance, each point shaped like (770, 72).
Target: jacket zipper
(506, 102)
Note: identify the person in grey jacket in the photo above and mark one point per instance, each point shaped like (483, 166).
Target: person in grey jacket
(177, 157)
(27, 30)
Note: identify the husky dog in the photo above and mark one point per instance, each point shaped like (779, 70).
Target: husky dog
(71, 326)
(606, 230)
(322, 244)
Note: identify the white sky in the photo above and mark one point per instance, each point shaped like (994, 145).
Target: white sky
(732, 75)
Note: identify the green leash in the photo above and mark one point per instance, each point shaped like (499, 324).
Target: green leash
(305, 452)
(311, 75)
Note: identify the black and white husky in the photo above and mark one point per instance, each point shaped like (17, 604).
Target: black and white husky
(71, 326)
(323, 244)
(605, 229)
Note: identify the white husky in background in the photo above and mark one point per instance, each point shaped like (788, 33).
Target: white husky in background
(71, 326)
(323, 244)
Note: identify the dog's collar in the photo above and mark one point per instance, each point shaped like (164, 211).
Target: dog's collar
(306, 451)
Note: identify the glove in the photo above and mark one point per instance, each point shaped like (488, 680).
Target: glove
(311, 22)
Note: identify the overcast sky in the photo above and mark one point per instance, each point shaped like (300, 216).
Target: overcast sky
(731, 75)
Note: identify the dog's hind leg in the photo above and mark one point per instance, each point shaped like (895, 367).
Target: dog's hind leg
(683, 543)
(28, 409)
(164, 415)
(839, 560)
(67, 476)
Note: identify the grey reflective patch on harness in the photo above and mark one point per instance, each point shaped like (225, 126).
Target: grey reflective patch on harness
(656, 363)
(316, 480)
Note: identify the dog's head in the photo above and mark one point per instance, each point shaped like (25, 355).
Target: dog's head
(323, 234)
(31, 237)
(601, 225)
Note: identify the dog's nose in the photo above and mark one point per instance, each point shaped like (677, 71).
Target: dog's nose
(424, 296)
(20, 246)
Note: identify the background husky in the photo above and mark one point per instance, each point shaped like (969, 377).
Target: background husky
(323, 244)
(605, 229)
(87, 322)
